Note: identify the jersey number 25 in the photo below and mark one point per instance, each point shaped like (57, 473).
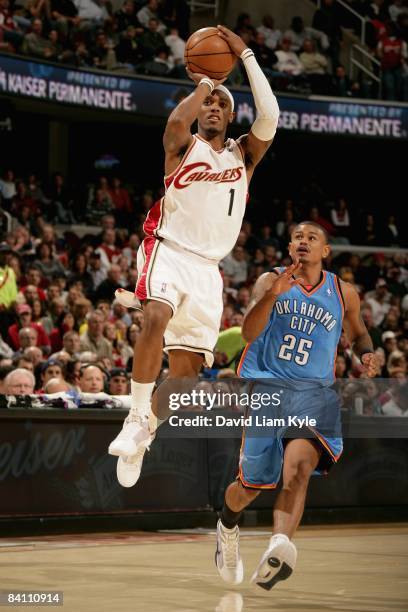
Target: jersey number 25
(299, 354)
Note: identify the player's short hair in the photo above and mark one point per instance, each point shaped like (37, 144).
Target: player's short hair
(316, 225)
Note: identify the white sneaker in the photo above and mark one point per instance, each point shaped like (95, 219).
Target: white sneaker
(227, 557)
(277, 563)
(130, 446)
(128, 299)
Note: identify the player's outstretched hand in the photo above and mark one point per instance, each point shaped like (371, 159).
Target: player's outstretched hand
(196, 77)
(371, 364)
(235, 42)
(285, 280)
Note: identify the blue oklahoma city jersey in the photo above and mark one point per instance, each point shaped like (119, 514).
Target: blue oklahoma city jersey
(300, 341)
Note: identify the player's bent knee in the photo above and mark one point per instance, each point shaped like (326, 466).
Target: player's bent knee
(298, 474)
(247, 493)
(156, 318)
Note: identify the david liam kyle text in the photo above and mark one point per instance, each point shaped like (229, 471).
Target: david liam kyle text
(253, 420)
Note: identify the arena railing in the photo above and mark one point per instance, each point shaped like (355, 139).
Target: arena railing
(353, 12)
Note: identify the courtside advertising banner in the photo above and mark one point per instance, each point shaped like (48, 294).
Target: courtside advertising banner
(152, 97)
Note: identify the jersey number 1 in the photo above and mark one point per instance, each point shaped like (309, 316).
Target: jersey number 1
(231, 204)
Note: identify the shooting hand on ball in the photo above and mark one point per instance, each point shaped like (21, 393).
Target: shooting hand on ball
(236, 43)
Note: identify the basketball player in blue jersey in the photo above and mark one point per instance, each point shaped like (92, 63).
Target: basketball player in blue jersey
(292, 327)
(193, 227)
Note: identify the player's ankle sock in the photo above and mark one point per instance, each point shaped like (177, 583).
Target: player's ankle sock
(141, 396)
(228, 517)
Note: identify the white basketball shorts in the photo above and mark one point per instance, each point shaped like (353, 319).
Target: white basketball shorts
(191, 286)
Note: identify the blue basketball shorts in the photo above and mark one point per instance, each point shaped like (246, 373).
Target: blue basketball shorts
(308, 413)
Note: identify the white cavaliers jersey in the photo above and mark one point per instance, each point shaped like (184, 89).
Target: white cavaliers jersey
(204, 202)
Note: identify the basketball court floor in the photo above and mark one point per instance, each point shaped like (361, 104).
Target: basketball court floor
(358, 568)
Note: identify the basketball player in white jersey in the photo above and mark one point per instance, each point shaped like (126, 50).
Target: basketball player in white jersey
(188, 232)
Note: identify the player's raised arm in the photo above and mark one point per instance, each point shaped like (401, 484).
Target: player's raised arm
(266, 291)
(263, 130)
(177, 135)
(356, 330)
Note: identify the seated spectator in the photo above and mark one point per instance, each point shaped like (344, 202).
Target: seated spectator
(36, 44)
(23, 362)
(368, 235)
(148, 12)
(64, 15)
(8, 284)
(23, 198)
(71, 343)
(95, 269)
(340, 218)
(151, 40)
(235, 265)
(379, 301)
(298, 33)
(46, 263)
(265, 56)
(102, 52)
(126, 17)
(10, 31)
(129, 50)
(108, 250)
(39, 315)
(65, 323)
(272, 35)
(176, 45)
(130, 251)
(34, 354)
(98, 207)
(19, 382)
(91, 379)
(315, 67)
(51, 369)
(93, 339)
(118, 382)
(80, 273)
(24, 320)
(7, 182)
(288, 62)
(107, 288)
(244, 26)
(27, 337)
(61, 206)
(90, 12)
(341, 85)
(159, 65)
(391, 235)
(315, 216)
(373, 331)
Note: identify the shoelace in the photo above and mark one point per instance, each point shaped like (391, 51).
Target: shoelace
(230, 548)
(135, 417)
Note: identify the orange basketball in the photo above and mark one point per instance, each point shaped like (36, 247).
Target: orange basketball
(207, 53)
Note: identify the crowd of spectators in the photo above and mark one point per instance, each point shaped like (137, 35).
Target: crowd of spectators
(149, 38)
(59, 319)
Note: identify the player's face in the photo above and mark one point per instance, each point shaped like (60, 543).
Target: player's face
(308, 244)
(215, 113)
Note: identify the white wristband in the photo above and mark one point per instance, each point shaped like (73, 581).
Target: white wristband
(207, 81)
(246, 54)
